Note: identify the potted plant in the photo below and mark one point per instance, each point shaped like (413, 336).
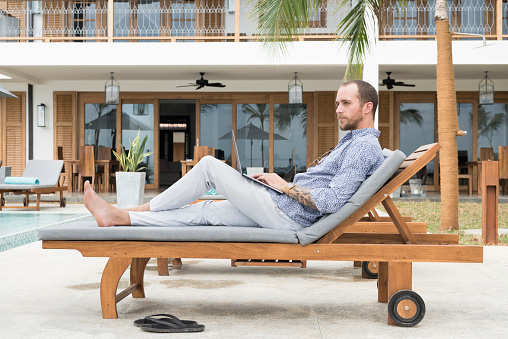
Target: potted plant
(130, 184)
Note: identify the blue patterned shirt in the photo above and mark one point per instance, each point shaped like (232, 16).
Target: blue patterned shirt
(336, 178)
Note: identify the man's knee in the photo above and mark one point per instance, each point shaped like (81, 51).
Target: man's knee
(207, 161)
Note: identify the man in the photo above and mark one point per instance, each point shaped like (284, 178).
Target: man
(322, 190)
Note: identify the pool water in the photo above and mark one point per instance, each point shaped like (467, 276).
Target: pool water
(20, 228)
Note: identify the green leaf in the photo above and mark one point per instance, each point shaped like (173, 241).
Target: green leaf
(130, 162)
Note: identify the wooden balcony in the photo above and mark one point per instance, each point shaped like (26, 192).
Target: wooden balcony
(225, 21)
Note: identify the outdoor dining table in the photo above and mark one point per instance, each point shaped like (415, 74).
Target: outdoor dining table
(106, 164)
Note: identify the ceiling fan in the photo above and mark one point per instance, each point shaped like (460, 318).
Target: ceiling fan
(200, 83)
(390, 83)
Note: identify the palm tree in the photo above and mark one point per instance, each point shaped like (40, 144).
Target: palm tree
(285, 113)
(488, 124)
(280, 21)
(411, 115)
(448, 124)
(259, 112)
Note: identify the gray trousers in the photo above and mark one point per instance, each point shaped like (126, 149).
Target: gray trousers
(248, 203)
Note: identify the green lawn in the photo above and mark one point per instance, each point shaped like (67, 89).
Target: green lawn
(470, 217)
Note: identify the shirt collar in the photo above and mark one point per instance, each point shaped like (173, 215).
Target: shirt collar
(364, 131)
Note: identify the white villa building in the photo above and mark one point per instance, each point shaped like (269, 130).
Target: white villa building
(60, 54)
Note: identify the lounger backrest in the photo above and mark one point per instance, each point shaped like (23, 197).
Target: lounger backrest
(411, 165)
(366, 190)
(47, 171)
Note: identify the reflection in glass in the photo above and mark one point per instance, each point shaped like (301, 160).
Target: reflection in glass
(216, 124)
(252, 134)
(100, 125)
(290, 133)
(132, 122)
(465, 142)
(417, 129)
(492, 127)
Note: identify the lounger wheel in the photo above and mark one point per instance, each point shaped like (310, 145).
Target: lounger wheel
(63, 202)
(406, 308)
(370, 269)
(24, 201)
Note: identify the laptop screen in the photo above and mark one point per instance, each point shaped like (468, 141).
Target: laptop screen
(238, 164)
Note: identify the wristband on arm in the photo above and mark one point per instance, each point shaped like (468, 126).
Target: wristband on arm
(288, 186)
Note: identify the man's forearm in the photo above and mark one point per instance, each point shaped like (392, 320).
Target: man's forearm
(302, 195)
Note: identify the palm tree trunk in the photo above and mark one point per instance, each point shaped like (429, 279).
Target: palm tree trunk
(447, 121)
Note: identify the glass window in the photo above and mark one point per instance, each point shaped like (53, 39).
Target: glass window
(465, 142)
(139, 117)
(290, 140)
(100, 125)
(405, 19)
(252, 134)
(183, 18)
(121, 21)
(492, 127)
(216, 125)
(417, 129)
(149, 19)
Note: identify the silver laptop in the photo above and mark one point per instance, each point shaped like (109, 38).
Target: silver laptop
(240, 169)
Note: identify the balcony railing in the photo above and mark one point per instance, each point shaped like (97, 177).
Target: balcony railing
(485, 17)
(224, 20)
(164, 20)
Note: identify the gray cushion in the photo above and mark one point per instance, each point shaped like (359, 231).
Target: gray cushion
(88, 230)
(366, 190)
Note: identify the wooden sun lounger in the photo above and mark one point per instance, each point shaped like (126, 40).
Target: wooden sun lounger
(395, 253)
(48, 172)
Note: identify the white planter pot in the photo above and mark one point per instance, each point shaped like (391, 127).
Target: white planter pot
(130, 189)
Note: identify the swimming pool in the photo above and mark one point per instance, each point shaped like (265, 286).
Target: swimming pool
(20, 228)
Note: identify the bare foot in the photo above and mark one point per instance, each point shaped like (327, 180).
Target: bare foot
(104, 213)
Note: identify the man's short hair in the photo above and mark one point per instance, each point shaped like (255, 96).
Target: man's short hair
(366, 93)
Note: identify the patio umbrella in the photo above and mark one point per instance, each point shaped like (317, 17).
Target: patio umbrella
(108, 121)
(5, 93)
(252, 132)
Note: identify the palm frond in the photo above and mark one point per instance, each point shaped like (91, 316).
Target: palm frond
(354, 33)
(280, 21)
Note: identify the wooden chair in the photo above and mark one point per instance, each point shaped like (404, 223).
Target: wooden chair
(104, 153)
(87, 167)
(201, 151)
(395, 253)
(464, 170)
(60, 156)
(502, 157)
(486, 154)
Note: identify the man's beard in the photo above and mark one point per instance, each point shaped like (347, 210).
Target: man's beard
(351, 124)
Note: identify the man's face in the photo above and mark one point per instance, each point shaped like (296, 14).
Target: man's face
(349, 110)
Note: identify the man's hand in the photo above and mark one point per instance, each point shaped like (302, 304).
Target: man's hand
(271, 179)
(299, 193)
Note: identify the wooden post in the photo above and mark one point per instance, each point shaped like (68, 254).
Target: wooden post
(111, 20)
(490, 194)
(238, 7)
(499, 19)
(400, 277)
(382, 281)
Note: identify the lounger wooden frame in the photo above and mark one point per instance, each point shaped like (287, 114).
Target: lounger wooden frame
(38, 192)
(394, 252)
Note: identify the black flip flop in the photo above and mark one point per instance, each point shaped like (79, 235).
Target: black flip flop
(168, 324)
(149, 320)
